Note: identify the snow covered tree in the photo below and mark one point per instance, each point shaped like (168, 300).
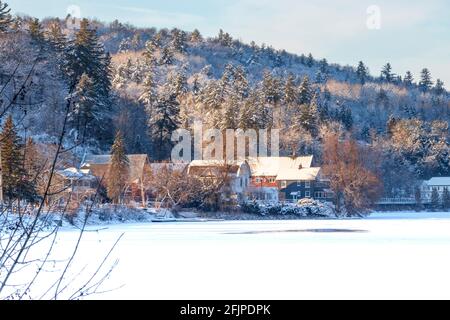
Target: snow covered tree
(425, 80)
(439, 87)
(240, 83)
(290, 91)
(435, 199)
(15, 180)
(178, 41)
(5, 17)
(164, 121)
(119, 170)
(408, 80)
(196, 36)
(149, 54)
(386, 73)
(310, 60)
(446, 199)
(271, 88)
(346, 117)
(305, 92)
(362, 73)
(167, 57)
(224, 38)
(149, 96)
(56, 37)
(85, 110)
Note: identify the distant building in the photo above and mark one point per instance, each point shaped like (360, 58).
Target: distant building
(287, 178)
(235, 175)
(436, 183)
(73, 186)
(139, 171)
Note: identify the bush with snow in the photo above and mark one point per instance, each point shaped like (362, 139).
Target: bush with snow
(304, 208)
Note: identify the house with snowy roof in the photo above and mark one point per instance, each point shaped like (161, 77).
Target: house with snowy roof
(139, 171)
(233, 175)
(440, 184)
(286, 178)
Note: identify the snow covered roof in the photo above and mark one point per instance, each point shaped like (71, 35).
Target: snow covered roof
(272, 166)
(305, 174)
(73, 173)
(438, 181)
(157, 167)
(201, 167)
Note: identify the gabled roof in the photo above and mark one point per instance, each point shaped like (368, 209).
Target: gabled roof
(438, 181)
(74, 173)
(272, 166)
(137, 164)
(209, 167)
(305, 174)
(157, 167)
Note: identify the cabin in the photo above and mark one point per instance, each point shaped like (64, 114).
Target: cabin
(235, 176)
(139, 173)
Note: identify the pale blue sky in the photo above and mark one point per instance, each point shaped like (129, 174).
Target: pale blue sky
(413, 34)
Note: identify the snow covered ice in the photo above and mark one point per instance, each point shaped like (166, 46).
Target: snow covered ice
(387, 256)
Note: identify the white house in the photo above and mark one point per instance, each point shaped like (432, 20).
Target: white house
(438, 183)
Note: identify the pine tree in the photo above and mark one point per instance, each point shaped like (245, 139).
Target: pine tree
(149, 54)
(56, 37)
(408, 80)
(435, 199)
(86, 58)
(362, 72)
(149, 95)
(310, 60)
(196, 36)
(425, 80)
(35, 30)
(85, 116)
(346, 117)
(178, 42)
(304, 92)
(446, 199)
(164, 121)
(439, 87)
(166, 56)
(290, 92)
(5, 17)
(240, 83)
(118, 174)
(16, 182)
(271, 88)
(386, 73)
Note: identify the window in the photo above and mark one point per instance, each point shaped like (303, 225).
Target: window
(299, 183)
(307, 184)
(283, 184)
(258, 180)
(307, 194)
(272, 180)
(319, 195)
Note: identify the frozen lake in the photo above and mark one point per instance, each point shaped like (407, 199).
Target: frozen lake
(401, 255)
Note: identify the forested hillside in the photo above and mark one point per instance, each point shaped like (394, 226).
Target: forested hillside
(148, 82)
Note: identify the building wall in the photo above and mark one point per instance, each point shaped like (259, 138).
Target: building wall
(305, 189)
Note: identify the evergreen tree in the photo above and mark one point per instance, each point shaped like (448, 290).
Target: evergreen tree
(56, 37)
(166, 56)
(16, 182)
(196, 36)
(5, 17)
(240, 83)
(149, 54)
(149, 95)
(418, 198)
(386, 73)
(290, 92)
(435, 199)
(304, 92)
(178, 42)
(118, 174)
(35, 30)
(362, 73)
(310, 60)
(271, 88)
(164, 121)
(408, 80)
(346, 117)
(425, 80)
(446, 199)
(439, 87)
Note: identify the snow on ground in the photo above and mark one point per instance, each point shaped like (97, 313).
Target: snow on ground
(387, 256)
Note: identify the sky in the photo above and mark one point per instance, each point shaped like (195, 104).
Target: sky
(410, 35)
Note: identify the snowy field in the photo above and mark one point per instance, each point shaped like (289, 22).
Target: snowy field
(387, 256)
